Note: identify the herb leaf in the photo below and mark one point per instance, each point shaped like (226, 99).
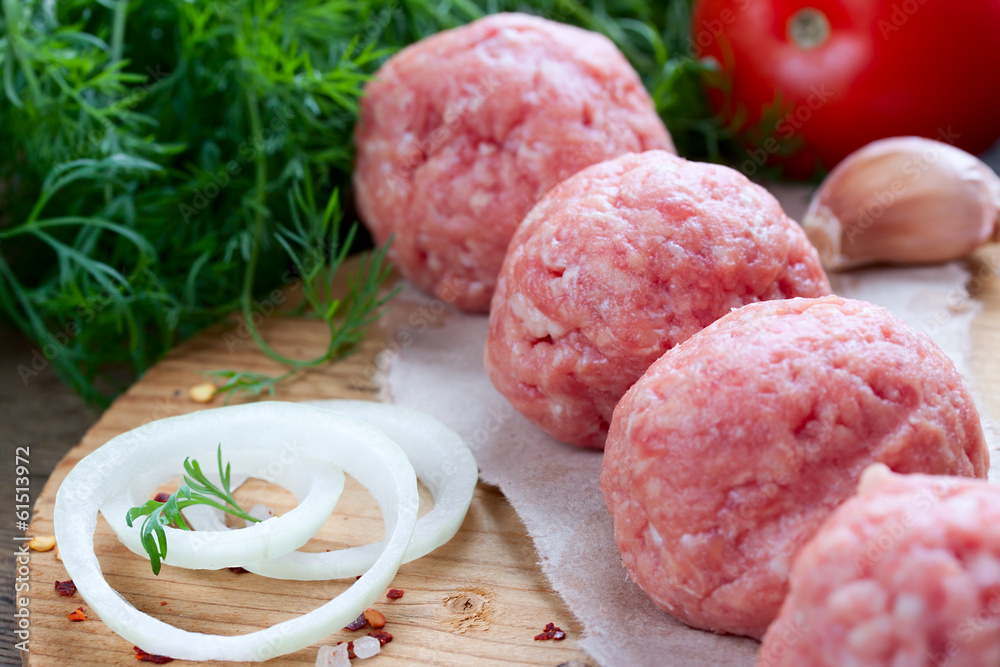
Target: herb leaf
(197, 489)
(311, 243)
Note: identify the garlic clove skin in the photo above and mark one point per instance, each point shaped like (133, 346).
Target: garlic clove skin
(904, 200)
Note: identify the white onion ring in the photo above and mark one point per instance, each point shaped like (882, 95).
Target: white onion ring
(364, 453)
(442, 462)
(316, 484)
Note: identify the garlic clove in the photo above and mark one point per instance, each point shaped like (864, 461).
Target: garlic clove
(904, 200)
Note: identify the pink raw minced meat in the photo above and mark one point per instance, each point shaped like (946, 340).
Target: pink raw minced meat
(620, 263)
(733, 448)
(905, 573)
(460, 134)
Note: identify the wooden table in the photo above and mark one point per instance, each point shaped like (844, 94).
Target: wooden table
(984, 286)
(478, 600)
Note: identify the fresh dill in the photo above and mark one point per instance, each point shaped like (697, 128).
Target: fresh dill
(346, 317)
(161, 160)
(197, 489)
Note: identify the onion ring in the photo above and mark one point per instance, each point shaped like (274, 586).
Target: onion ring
(443, 462)
(364, 453)
(316, 484)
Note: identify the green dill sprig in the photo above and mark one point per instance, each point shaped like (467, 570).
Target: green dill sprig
(197, 489)
(316, 253)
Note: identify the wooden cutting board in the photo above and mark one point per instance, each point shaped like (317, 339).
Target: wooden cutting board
(478, 600)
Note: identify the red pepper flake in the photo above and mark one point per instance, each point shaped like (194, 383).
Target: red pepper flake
(382, 636)
(551, 632)
(375, 618)
(66, 588)
(150, 657)
(77, 615)
(161, 497)
(357, 623)
(394, 593)
(163, 603)
(239, 570)
(350, 649)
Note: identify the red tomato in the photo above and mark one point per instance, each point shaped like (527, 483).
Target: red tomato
(848, 72)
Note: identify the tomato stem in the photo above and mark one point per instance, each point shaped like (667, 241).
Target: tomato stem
(808, 28)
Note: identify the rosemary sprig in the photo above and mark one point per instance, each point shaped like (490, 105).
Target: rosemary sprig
(197, 489)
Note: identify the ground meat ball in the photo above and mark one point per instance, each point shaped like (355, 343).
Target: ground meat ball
(620, 263)
(733, 448)
(905, 573)
(461, 133)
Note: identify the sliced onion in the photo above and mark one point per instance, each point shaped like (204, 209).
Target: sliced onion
(443, 462)
(210, 518)
(363, 452)
(316, 484)
(440, 457)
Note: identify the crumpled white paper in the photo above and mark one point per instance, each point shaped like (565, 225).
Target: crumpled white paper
(438, 368)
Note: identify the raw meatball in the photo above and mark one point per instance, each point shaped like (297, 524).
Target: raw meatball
(733, 448)
(906, 573)
(620, 263)
(461, 133)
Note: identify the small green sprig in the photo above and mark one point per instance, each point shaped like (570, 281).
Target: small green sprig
(317, 250)
(197, 489)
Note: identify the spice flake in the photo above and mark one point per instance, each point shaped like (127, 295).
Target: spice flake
(357, 623)
(67, 588)
(382, 636)
(551, 632)
(143, 656)
(375, 618)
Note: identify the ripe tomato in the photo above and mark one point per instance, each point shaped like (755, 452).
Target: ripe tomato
(846, 72)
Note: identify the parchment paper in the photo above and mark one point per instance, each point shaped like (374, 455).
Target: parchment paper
(437, 367)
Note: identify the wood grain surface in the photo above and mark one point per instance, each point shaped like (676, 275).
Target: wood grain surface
(478, 600)
(984, 287)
